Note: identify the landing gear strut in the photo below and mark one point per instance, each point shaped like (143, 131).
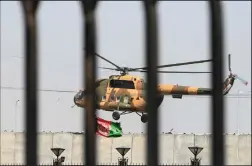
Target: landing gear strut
(144, 117)
(116, 115)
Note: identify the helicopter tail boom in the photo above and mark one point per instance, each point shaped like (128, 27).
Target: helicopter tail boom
(177, 90)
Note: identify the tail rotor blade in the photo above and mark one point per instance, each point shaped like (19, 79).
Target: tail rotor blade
(229, 62)
(242, 80)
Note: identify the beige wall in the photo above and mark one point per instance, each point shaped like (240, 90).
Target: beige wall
(173, 148)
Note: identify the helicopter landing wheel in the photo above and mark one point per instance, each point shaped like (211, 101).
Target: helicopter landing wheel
(116, 115)
(144, 118)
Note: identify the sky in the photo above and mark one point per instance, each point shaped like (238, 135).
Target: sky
(183, 36)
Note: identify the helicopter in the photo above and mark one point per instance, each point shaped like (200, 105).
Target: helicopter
(124, 93)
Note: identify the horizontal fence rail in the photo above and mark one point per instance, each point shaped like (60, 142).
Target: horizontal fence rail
(89, 64)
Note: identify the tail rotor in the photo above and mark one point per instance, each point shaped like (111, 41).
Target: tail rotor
(241, 79)
(235, 75)
(229, 63)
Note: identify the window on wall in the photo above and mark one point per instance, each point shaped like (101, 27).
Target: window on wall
(122, 84)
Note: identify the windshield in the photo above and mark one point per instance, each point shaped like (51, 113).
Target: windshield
(80, 94)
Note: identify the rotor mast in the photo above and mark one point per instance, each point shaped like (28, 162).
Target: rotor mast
(124, 71)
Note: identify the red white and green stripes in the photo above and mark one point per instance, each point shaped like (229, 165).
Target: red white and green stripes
(107, 128)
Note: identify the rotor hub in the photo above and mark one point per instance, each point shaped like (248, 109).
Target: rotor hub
(124, 70)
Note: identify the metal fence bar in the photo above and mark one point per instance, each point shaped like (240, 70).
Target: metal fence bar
(217, 78)
(89, 62)
(30, 9)
(151, 60)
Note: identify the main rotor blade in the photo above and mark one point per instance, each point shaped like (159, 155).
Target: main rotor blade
(108, 68)
(188, 72)
(177, 64)
(107, 60)
(192, 72)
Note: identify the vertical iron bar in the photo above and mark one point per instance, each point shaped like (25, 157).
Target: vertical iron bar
(90, 75)
(217, 78)
(151, 60)
(30, 9)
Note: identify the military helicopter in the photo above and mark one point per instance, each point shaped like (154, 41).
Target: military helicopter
(123, 94)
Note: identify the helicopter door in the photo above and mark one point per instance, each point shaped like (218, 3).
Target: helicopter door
(110, 93)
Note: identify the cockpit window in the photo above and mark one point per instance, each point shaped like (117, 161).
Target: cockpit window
(122, 84)
(80, 94)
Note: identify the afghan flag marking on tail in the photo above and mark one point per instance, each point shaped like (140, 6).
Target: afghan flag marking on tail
(107, 128)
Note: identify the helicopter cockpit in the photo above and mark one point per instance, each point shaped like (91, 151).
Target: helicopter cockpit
(80, 95)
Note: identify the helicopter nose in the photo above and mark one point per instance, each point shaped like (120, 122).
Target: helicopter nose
(74, 99)
(79, 100)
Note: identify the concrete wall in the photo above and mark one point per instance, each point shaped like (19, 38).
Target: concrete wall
(173, 148)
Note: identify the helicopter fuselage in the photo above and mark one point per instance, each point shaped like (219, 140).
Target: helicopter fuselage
(125, 93)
